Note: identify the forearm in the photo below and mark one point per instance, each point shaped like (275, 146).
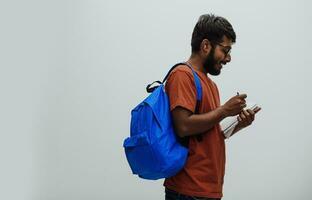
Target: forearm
(199, 123)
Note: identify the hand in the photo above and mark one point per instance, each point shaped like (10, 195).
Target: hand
(246, 117)
(235, 105)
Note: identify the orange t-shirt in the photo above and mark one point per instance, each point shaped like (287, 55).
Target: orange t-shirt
(203, 172)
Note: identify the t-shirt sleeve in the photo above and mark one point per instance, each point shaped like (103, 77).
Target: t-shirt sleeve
(180, 88)
(217, 93)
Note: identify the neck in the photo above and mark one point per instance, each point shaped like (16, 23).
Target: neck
(197, 63)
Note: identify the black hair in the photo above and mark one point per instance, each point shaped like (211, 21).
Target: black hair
(213, 28)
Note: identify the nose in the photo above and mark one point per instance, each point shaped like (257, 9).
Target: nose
(228, 58)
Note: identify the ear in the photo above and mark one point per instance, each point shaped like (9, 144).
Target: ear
(205, 47)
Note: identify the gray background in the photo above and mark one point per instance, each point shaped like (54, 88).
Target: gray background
(71, 71)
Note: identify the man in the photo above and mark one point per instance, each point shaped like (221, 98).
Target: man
(203, 173)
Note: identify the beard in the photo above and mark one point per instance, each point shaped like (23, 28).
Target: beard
(210, 64)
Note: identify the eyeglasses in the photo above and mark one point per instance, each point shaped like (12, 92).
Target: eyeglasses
(226, 49)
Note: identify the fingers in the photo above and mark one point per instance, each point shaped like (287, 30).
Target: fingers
(241, 100)
(239, 118)
(243, 105)
(247, 117)
(242, 116)
(251, 114)
(242, 96)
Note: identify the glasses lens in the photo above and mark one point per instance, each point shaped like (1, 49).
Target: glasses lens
(228, 52)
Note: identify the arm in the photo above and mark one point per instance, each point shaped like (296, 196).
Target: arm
(186, 123)
(182, 95)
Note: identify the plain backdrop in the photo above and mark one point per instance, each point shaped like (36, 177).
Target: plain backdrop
(71, 71)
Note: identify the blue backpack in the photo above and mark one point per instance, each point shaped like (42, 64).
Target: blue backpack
(153, 150)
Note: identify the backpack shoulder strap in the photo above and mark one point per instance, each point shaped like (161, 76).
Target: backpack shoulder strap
(185, 141)
(172, 68)
(149, 87)
(196, 80)
(198, 86)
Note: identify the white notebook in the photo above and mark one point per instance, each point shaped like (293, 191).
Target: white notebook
(228, 124)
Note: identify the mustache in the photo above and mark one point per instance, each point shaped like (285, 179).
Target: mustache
(223, 62)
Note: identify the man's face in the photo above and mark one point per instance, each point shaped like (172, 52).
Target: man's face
(218, 56)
